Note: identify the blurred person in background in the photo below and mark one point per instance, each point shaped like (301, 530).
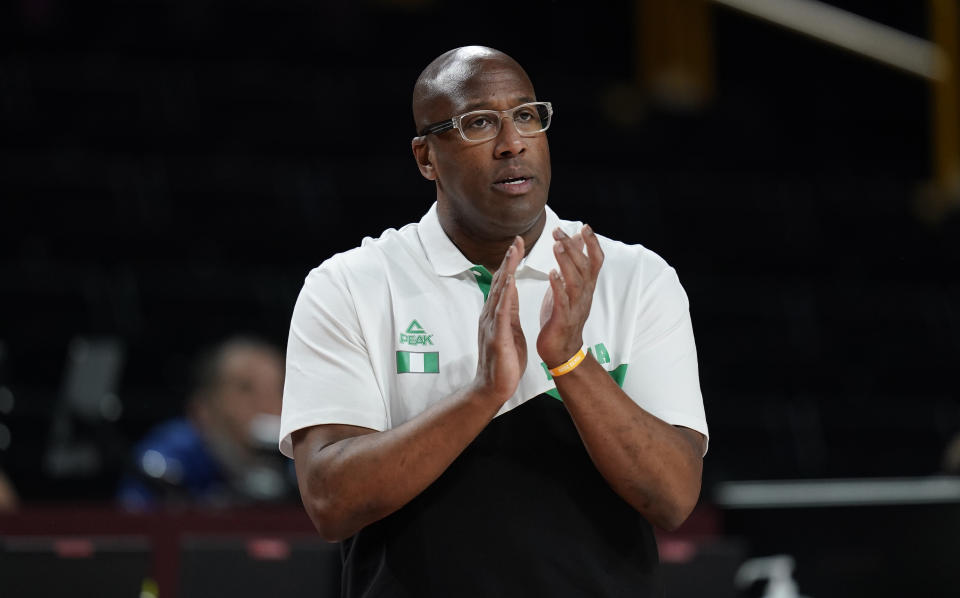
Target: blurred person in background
(223, 452)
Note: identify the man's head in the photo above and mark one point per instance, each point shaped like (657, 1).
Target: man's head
(487, 191)
(238, 382)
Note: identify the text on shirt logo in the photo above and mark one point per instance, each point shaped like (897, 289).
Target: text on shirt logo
(415, 335)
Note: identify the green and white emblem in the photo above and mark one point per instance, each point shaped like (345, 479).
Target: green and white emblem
(410, 362)
(417, 362)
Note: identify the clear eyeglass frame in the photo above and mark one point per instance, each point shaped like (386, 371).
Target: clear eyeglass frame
(543, 109)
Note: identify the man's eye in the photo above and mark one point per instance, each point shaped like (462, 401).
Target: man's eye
(480, 122)
(524, 116)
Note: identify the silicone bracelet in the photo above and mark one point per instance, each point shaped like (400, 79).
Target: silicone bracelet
(569, 365)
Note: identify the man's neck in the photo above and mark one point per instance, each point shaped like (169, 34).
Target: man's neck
(489, 252)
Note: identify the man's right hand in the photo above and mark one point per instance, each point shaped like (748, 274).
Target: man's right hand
(503, 348)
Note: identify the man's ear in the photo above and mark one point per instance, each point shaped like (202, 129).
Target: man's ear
(424, 157)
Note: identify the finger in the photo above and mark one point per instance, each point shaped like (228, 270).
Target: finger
(511, 259)
(594, 251)
(507, 304)
(495, 290)
(572, 277)
(546, 306)
(561, 302)
(514, 302)
(573, 247)
(514, 257)
(573, 250)
(578, 241)
(516, 329)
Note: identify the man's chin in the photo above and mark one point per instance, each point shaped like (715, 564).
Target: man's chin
(519, 214)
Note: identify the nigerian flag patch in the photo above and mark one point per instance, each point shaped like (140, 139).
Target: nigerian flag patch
(409, 362)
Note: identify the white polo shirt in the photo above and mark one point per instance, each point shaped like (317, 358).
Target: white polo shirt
(382, 331)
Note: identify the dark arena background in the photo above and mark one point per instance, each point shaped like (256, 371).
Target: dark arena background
(171, 170)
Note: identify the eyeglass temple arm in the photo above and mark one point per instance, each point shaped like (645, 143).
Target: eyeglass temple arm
(437, 128)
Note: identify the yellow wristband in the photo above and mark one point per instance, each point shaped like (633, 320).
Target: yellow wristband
(570, 365)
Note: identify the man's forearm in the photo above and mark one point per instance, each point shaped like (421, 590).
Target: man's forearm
(359, 479)
(652, 465)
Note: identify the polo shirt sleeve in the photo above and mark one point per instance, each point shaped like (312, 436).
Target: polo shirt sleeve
(329, 378)
(662, 376)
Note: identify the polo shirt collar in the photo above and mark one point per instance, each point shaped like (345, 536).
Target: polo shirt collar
(447, 260)
(541, 257)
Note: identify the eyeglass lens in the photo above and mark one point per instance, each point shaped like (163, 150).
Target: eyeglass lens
(481, 125)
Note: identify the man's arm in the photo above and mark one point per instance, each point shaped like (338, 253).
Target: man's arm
(652, 465)
(351, 476)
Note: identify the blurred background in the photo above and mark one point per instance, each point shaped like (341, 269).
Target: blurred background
(170, 171)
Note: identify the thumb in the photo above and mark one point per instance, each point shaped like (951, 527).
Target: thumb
(546, 306)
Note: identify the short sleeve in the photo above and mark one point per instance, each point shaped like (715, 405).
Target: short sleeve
(329, 378)
(662, 376)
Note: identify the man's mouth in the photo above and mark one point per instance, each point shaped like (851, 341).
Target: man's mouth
(514, 185)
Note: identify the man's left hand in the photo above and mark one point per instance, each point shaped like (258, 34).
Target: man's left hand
(567, 303)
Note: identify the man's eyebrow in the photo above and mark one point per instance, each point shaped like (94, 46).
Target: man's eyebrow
(481, 104)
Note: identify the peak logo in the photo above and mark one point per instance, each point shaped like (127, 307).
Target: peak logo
(415, 335)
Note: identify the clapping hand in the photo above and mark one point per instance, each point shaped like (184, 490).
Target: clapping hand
(567, 302)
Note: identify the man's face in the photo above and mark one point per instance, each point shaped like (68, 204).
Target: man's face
(251, 385)
(478, 190)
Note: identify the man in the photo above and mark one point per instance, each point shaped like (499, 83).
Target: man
(215, 455)
(421, 398)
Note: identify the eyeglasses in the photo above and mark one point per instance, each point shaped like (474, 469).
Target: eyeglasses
(483, 125)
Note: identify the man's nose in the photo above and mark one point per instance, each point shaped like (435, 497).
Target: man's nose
(509, 142)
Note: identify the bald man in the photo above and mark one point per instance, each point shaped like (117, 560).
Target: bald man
(493, 401)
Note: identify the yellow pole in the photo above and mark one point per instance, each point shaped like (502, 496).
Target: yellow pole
(945, 123)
